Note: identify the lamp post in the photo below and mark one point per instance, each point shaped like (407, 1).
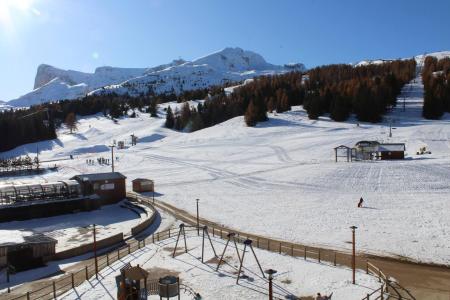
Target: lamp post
(95, 253)
(270, 272)
(390, 127)
(112, 157)
(198, 222)
(353, 253)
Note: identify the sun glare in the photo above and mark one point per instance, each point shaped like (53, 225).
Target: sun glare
(9, 10)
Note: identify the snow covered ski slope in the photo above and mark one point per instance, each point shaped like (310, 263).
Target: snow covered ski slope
(279, 179)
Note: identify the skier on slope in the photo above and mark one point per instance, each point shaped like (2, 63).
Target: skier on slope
(360, 203)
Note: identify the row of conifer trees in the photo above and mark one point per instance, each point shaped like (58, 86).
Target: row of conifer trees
(436, 81)
(39, 123)
(338, 90)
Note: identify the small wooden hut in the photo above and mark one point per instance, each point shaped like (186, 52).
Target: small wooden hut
(141, 185)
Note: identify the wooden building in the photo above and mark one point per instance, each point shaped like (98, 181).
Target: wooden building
(32, 251)
(368, 150)
(110, 187)
(141, 185)
(391, 151)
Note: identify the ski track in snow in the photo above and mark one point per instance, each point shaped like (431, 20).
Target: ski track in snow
(279, 179)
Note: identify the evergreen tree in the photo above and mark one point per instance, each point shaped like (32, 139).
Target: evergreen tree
(71, 122)
(153, 108)
(185, 115)
(170, 120)
(251, 115)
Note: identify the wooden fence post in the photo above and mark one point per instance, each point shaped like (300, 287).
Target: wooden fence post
(292, 249)
(213, 232)
(335, 258)
(54, 290)
(28, 295)
(118, 254)
(220, 232)
(86, 271)
(107, 258)
(319, 256)
(129, 249)
(257, 242)
(279, 248)
(367, 267)
(153, 238)
(73, 280)
(169, 232)
(157, 236)
(144, 242)
(305, 253)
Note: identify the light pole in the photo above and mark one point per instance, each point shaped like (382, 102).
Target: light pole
(95, 254)
(390, 127)
(112, 157)
(198, 222)
(270, 272)
(353, 253)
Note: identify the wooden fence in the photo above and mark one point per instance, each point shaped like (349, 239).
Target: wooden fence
(71, 280)
(295, 250)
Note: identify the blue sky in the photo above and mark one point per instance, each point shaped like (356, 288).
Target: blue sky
(85, 34)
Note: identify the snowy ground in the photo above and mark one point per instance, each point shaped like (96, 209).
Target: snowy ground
(72, 230)
(295, 276)
(280, 179)
(162, 222)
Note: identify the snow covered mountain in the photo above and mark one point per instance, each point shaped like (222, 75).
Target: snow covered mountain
(420, 59)
(56, 84)
(227, 65)
(3, 105)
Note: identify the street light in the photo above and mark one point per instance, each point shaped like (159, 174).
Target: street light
(95, 253)
(112, 157)
(390, 127)
(270, 272)
(198, 222)
(353, 228)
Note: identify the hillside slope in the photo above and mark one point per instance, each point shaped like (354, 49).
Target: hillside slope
(279, 179)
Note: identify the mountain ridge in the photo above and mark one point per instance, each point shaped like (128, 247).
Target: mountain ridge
(226, 65)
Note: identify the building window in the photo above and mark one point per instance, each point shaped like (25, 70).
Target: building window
(107, 186)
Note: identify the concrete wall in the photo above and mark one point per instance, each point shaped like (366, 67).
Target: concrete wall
(83, 249)
(144, 225)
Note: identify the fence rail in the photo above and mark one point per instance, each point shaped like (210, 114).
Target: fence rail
(73, 279)
(287, 248)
